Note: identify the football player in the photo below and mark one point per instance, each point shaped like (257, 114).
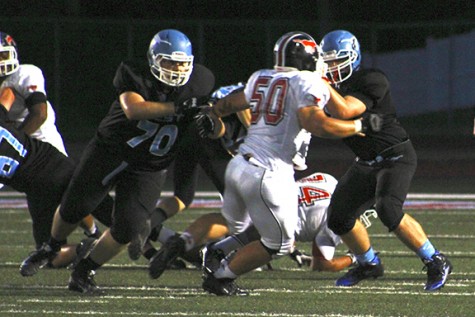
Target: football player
(382, 171)
(42, 172)
(212, 155)
(130, 152)
(260, 186)
(315, 191)
(33, 114)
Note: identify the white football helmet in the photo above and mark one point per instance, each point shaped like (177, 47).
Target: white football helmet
(8, 55)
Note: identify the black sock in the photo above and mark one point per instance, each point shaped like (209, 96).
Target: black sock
(150, 253)
(87, 264)
(56, 244)
(158, 217)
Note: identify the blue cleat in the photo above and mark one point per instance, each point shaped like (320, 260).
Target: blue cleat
(438, 270)
(361, 272)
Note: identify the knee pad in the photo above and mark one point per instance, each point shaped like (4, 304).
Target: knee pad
(340, 223)
(390, 212)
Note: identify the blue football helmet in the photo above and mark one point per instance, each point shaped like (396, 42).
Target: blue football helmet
(341, 52)
(297, 50)
(170, 57)
(8, 55)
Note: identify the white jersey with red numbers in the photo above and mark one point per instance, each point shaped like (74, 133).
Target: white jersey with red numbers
(260, 186)
(275, 125)
(24, 82)
(315, 192)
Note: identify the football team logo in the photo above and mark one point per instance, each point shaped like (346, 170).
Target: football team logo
(310, 46)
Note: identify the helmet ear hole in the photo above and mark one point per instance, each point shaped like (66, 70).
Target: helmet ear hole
(174, 47)
(9, 62)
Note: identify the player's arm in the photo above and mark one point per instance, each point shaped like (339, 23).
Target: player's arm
(344, 107)
(314, 120)
(136, 107)
(7, 97)
(230, 104)
(319, 263)
(37, 113)
(245, 117)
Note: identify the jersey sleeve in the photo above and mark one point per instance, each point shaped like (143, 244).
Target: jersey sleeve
(31, 80)
(311, 90)
(124, 79)
(374, 86)
(202, 81)
(248, 89)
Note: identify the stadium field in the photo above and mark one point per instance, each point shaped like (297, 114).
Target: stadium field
(285, 291)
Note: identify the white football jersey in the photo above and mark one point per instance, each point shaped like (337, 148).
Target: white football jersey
(315, 192)
(24, 82)
(275, 97)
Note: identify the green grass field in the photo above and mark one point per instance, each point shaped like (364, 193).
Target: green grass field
(286, 291)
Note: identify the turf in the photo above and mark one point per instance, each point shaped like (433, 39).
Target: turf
(285, 291)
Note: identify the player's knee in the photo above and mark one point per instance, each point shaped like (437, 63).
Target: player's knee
(390, 212)
(340, 225)
(278, 251)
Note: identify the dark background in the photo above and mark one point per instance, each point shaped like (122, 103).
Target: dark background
(78, 45)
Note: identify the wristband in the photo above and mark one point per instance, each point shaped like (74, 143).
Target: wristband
(358, 126)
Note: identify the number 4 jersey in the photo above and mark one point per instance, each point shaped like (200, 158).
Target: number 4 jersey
(315, 192)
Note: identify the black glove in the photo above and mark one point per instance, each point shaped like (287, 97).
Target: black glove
(371, 122)
(192, 104)
(204, 122)
(300, 258)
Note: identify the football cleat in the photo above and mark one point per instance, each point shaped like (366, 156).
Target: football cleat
(438, 270)
(135, 246)
(361, 272)
(83, 282)
(221, 286)
(211, 258)
(171, 249)
(37, 260)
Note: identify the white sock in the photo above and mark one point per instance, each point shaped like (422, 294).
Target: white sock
(224, 271)
(164, 234)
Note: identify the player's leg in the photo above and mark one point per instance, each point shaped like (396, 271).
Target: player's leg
(359, 183)
(136, 197)
(270, 199)
(393, 186)
(83, 194)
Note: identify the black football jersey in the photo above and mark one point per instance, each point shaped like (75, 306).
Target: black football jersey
(21, 157)
(149, 144)
(371, 86)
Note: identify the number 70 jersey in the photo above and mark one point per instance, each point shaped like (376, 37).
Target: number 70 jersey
(275, 98)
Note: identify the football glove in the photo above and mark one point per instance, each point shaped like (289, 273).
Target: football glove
(371, 122)
(192, 104)
(300, 258)
(204, 122)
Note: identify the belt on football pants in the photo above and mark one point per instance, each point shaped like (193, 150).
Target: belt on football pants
(392, 154)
